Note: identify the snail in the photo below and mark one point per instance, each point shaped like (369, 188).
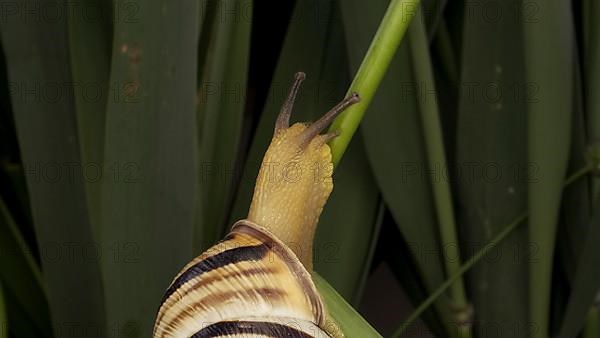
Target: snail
(257, 281)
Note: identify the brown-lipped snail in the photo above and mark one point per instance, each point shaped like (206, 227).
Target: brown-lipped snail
(257, 281)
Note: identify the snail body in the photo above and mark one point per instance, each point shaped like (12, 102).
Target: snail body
(256, 282)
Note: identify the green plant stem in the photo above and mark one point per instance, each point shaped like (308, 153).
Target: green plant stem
(476, 258)
(436, 159)
(371, 71)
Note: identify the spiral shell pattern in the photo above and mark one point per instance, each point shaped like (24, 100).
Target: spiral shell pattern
(248, 285)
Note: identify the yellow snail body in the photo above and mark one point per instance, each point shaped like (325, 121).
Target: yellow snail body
(256, 282)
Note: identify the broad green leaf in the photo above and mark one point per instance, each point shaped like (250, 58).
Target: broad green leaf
(150, 158)
(491, 166)
(394, 145)
(549, 127)
(221, 97)
(90, 38)
(19, 272)
(348, 320)
(46, 123)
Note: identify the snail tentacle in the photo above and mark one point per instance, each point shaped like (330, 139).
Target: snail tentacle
(318, 126)
(283, 119)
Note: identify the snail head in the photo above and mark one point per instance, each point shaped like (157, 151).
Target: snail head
(295, 178)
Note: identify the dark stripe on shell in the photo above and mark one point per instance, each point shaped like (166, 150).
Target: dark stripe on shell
(231, 256)
(268, 329)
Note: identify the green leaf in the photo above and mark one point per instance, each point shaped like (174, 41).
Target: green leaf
(348, 320)
(222, 97)
(90, 38)
(491, 165)
(42, 100)
(19, 272)
(586, 281)
(150, 160)
(394, 144)
(549, 127)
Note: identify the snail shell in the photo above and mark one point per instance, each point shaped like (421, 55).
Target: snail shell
(256, 282)
(248, 285)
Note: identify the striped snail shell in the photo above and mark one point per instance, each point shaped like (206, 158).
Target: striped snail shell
(257, 281)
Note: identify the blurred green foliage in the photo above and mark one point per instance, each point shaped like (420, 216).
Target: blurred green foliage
(131, 133)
